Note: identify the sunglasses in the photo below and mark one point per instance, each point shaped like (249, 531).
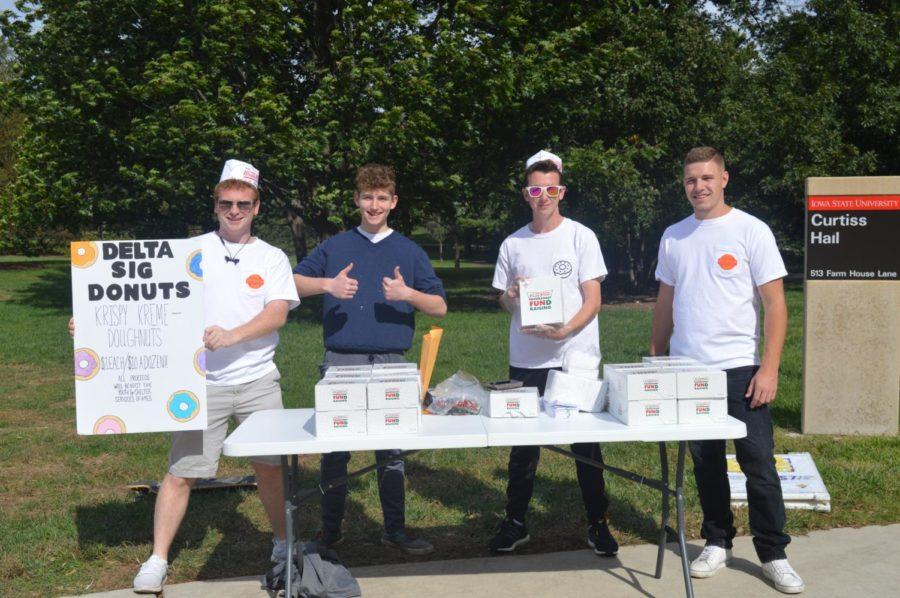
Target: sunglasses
(225, 206)
(551, 190)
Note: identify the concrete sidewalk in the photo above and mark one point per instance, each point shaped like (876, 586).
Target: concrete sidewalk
(838, 563)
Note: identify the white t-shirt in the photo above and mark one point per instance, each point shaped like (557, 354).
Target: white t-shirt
(570, 252)
(716, 266)
(234, 294)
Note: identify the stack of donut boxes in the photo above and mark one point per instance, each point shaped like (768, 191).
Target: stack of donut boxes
(378, 400)
(666, 390)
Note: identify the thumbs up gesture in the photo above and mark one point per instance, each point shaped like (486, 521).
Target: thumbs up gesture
(342, 286)
(395, 288)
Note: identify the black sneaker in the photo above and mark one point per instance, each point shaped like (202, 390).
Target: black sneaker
(510, 536)
(401, 541)
(328, 539)
(601, 540)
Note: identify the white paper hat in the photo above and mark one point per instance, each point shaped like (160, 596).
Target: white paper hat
(241, 171)
(544, 155)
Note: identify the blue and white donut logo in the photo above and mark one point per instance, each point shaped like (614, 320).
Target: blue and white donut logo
(195, 264)
(562, 268)
(183, 406)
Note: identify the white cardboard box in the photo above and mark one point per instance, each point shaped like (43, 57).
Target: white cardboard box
(357, 369)
(395, 366)
(381, 374)
(644, 413)
(390, 422)
(397, 392)
(700, 382)
(329, 375)
(641, 384)
(330, 424)
(515, 402)
(590, 395)
(670, 360)
(609, 367)
(702, 411)
(541, 301)
(340, 394)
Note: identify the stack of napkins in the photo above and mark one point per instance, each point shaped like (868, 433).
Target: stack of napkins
(380, 399)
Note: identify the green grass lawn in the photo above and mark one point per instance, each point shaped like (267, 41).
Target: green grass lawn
(70, 526)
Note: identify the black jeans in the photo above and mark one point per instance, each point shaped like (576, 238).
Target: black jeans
(391, 477)
(755, 455)
(523, 461)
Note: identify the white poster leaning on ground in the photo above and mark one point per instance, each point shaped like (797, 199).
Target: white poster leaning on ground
(801, 483)
(140, 365)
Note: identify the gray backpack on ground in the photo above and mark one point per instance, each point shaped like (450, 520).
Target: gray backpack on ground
(317, 573)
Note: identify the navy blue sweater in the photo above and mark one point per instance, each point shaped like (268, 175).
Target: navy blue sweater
(368, 323)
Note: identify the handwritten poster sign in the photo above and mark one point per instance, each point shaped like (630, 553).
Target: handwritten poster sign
(140, 365)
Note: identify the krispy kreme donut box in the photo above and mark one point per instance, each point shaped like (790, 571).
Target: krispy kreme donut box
(541, 301)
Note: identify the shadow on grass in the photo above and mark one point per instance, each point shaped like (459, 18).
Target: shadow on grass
(51, 290)
(243, 549)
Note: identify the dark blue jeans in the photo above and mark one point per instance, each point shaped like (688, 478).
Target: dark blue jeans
(391, 477)
(755, 455)
(523, 461)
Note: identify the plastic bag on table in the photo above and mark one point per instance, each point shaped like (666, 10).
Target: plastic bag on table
(460, 394)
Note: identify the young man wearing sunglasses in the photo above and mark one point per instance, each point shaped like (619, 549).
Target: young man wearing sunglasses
(248, 292)
(373, 280)
(715, 268)
(551, 245)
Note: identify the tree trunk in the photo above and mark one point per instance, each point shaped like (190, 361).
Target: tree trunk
(441, 250)
(298, 231)
(630, 250)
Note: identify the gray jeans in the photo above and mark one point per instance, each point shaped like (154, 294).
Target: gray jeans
(391, 477)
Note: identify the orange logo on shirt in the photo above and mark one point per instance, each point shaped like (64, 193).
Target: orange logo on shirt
(727, 262)
(254, 281)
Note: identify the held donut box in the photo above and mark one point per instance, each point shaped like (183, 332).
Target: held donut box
(702, 411)
(339, 394)
(396, 392)
(393, 422)
(541, 301)
(651, 412)
(515, 402)
(337, 424)
(641, 384)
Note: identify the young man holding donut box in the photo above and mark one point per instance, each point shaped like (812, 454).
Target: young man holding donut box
(373, 280)
(715, 267)
(551, 245)
(248, 292)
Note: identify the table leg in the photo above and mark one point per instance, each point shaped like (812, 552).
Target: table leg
(679, 505)
(289, 478)
(664, 523)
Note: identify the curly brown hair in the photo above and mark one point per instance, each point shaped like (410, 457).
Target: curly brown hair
(375, 176)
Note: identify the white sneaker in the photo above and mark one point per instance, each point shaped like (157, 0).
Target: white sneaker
(152, 576)
(710, 560)
(783, 576)
(279, 551)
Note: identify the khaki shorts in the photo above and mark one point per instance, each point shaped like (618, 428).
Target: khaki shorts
(195, 454)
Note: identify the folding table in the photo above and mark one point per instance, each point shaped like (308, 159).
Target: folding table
(291, 432)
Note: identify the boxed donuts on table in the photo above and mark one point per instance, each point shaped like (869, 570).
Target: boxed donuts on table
(380, 399)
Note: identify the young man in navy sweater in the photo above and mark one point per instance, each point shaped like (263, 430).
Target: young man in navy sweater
(374, 280)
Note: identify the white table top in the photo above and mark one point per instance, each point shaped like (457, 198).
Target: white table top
(292, 432)
(598, 427)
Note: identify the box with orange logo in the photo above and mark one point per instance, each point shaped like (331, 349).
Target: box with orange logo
(648, 412)
(702, 411)
(392, 422)
(336, 424)
(640, 384)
